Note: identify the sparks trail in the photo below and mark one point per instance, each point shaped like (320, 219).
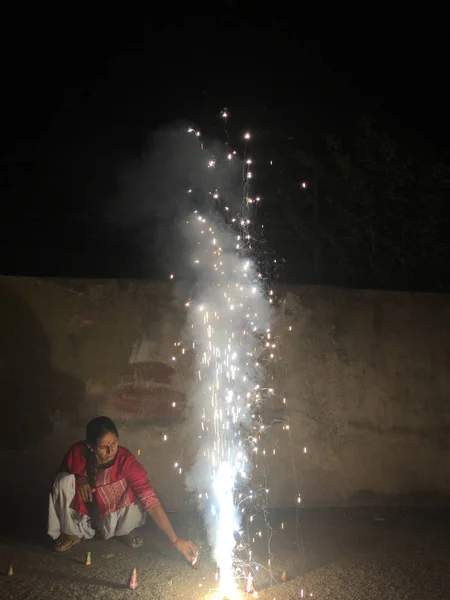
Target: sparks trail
(230, 182)
(225, 312)
(228, 314)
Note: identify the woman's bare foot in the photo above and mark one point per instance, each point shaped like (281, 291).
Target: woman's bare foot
(133, 539)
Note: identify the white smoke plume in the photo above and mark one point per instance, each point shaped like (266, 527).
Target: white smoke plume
(227, 319)
(198, 195)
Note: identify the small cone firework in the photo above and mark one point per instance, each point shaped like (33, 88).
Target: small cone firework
(249, 587)
(88, 562)
(10, 571)
(284, 576)
(133, 583)
(196, 562)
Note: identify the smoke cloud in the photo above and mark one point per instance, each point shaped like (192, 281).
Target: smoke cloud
(153, 198)
(193, 200)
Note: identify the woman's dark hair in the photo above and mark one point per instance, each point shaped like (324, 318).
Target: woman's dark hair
(97, 428)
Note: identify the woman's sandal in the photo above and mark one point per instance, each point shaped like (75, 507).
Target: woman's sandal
(65, 541)
(133, 540)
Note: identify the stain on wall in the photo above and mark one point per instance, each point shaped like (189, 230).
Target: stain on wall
(32, 387)
(145, 391)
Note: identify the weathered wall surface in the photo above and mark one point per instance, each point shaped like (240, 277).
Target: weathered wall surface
(366, 377)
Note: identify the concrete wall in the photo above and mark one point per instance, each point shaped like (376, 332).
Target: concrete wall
(365, 375)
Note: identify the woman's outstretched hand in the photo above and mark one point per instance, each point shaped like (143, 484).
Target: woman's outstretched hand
(187, 549)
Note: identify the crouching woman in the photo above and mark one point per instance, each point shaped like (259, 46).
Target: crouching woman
(102, 489)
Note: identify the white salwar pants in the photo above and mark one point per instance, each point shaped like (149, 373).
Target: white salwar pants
(63, 519)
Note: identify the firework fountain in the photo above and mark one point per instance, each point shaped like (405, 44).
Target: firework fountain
(204, 189)
(228, 324)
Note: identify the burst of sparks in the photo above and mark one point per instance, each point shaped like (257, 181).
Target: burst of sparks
(229, 311)
(230, 341)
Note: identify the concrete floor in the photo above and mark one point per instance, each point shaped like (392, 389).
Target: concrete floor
(358, 554)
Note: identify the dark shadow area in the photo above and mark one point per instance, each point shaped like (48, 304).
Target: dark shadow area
(320, 537)
(32, 390)
(415, 499)
(55, 576)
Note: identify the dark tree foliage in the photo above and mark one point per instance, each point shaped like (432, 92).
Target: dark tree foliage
(371, 214)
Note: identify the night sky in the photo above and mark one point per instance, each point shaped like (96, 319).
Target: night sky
(82, 92)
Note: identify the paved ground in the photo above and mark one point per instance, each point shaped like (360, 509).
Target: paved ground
(348, 555)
